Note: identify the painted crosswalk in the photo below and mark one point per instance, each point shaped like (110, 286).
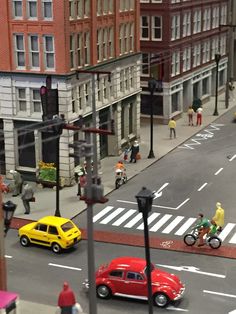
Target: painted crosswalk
(158, 222)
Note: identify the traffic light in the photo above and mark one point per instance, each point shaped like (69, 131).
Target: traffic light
(49, 100)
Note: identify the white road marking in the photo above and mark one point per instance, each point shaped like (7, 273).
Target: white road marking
(157, 206)
(220, 293)
(232, 312)
(233, 239)
(184, 202)
(172, 308)
(173, 224)
(8, 256)
(204, 184)
(185, 226)
(161, 222)
(119, 221)
(134, 221)
(158, 193)
(192, 269)
(227, 229)
(63, 266)
(232, 158)
(102, 213)
(112, 215)
(217, 172)
(150, 219)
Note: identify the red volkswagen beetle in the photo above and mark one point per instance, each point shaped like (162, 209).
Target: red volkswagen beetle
(126, 276)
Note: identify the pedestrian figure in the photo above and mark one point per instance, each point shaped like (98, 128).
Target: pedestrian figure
(82, 182)
(126, 153)
(17, 182)
(172, 127)
(134, 151)
(27, 196)
(219, 217)
(190, 115)
(66, 299)
(199, 116)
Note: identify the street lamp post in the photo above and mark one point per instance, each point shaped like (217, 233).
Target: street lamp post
(217, 60)
(144, 200)
(152, 85)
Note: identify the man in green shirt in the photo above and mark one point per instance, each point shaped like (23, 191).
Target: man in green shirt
(204, 226)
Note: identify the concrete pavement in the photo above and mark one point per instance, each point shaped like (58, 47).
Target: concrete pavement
(70, 205)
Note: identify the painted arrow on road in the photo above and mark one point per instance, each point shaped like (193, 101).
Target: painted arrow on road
(192, 269)
(158, 193)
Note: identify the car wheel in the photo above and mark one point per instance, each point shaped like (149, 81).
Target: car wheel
(56, 248)
(190, 239)
(214, 242)
(24, 241)
(161, 299)
(103, 292)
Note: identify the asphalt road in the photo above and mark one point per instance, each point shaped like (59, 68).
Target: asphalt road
(189, 180)
(37, 275)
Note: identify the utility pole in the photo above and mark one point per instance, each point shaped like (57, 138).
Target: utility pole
(3, 275)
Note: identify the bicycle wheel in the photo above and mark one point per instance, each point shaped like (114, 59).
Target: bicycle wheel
(215, 242)
(190, 239)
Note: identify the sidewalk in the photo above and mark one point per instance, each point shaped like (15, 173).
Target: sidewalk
(70, 205)
(27, 307)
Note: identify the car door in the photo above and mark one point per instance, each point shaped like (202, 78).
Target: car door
(134, 284)
(116, 278)
(53, 235)
(38, 234)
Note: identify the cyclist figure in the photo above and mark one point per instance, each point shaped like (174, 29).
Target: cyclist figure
(204, 227)
(120, 168)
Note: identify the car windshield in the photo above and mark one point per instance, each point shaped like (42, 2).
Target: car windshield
(152, 268)
(67, 226)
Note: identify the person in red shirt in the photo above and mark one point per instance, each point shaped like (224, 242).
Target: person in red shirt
(66, 299)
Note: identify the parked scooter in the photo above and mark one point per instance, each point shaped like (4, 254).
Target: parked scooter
(120, 178)
(212, 239)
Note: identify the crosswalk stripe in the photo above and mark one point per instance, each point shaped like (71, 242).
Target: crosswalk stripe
(112, 215)
(160, 222)
(119, 221)
(150, 220)
(134, 221)
(233, 239)
(227, 229)
(173, 224)
(102, 213)
(185, 226)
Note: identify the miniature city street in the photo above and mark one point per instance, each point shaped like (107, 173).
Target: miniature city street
(188, 180)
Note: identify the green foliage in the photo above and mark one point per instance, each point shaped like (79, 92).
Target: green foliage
(47, 174)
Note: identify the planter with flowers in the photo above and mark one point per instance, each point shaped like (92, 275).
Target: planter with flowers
(47, 174)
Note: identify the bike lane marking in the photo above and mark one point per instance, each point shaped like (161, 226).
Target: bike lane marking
(192, 269)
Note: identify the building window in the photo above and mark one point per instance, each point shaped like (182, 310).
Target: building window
(72, 9)
(86, 8)
(122, 80)
(223, 45)
(131, 119)
(175, 63)
(187, 24)
(36, 100)
(175, 27)
(79, 50)
(80, 97)
(34, 51)
(99, 7)
(223, 14)
(131, 37)
(187, 59)
(99, 45)
(72, 51)
(145, 64)
(197, 19)
(20, 50)
(144, 27)
(205, 86)
(156, 27)
(47, 9)
(214, 47)
(206, 52)
(121, 39)
(21, 98)
(111, 6)
(87, 48)
(215, 17)
(49, 52)
(17, 9)
(73, 99)
(104, 44)
(207, 19)
(196, 55)
(32, 9)
(111, 42)
(86, 94)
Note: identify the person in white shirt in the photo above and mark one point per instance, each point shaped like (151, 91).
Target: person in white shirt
(199, 116)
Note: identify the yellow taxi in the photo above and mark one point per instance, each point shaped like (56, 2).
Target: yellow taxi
(55, 232)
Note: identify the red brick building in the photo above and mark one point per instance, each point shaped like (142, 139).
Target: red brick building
(179, 40)
(56, 38)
